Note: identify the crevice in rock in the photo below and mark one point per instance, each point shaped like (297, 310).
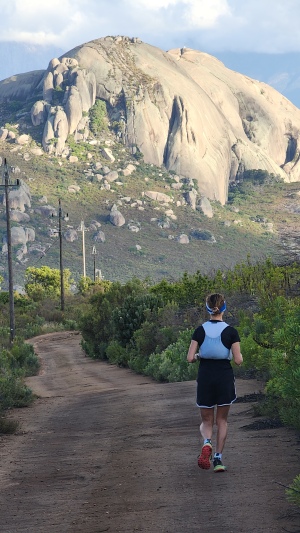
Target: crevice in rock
(173, 126)
(291, 149)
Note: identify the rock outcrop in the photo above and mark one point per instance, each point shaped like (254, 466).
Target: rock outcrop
(182, 109)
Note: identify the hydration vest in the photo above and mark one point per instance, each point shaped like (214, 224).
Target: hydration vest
(212, 346)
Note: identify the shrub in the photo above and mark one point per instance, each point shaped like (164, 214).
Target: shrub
(117, 354)
(98, 117)
(129, 317)
(171, 365)
(293, 491)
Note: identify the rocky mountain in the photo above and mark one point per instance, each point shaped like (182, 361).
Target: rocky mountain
(177, 133)
(182, 109)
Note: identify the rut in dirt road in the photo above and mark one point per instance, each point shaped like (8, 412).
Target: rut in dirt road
(103, 449)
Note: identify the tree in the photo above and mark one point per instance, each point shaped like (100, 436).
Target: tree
(44, 282)
(98, 117)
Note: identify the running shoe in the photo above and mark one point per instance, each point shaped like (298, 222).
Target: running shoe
(218, 465)
(205, 457)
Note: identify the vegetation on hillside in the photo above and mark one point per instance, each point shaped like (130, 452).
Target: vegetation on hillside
(247, 224)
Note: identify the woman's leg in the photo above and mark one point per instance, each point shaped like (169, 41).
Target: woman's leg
(206, 429)
(207, 422)
(221, 422)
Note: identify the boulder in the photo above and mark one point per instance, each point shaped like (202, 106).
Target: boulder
(100, 236)
(48, 134)
(60, 129)
(116, 217)
(3, 134)
(183, 239)
(73, 188)
(158, 196)
(53, 63)
(21, 252)
(107, 154)
(18, 216)
(19, 198)
(36, 151)
(112, 176)
(20, 235)
(36, 249)
(191, 197)
(205, 207)
(23, 139)
(30, 234)
(38, 113)
(86, 85)
(46, 211)
(129, 170)
(48, 87)
(71, 235)
(73, 109)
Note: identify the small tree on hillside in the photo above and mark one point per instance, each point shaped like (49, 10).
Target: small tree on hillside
(44, 282)
(98, 117)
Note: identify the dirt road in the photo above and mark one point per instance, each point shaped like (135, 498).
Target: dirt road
(103, 449)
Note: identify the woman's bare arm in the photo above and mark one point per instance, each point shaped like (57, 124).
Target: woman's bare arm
(193, 349)
(236, 352)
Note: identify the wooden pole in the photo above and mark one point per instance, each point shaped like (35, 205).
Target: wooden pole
(62, 289)
(9, 255)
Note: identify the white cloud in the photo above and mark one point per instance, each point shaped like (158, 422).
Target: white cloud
(211, 25)
(196, 13)
(205, 13)
(155, 5)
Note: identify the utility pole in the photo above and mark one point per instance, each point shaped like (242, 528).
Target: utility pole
(6, 184)
(62, 288)
(94, 253)
(83, 229)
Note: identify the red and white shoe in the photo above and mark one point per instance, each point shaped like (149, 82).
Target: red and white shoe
(205, 457)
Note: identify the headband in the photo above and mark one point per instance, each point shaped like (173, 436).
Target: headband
(221, 310)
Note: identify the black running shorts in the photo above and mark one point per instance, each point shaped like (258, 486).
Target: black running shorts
(215, 383)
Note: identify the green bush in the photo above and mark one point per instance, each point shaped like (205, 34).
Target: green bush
(96, 324)
(98, 117)
(293, 491)
(171, 365)
(4, 297)
(13, 392)
(129, 317)
(117, 354)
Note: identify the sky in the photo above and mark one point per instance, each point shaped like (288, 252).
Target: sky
(259, 38)
(263, 26)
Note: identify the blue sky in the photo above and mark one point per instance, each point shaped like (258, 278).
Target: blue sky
(260, 38)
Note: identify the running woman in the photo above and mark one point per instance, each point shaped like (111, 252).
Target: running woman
(214, 344)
